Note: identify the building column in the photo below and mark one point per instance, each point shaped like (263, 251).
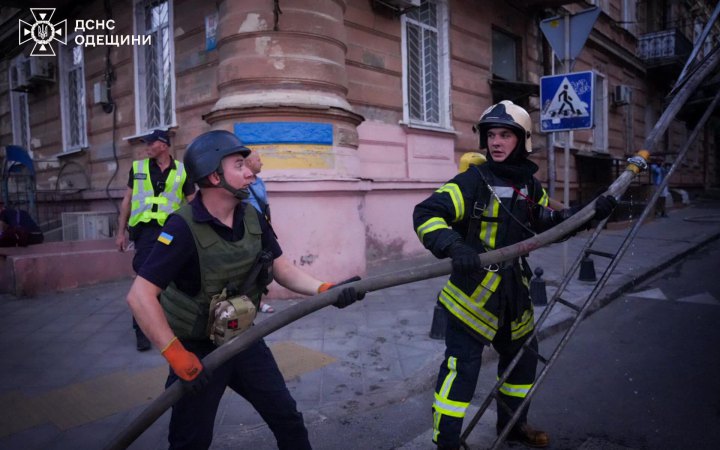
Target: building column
(285, 67)
(283, 90)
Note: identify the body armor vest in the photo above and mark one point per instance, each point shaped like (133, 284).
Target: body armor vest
(221, 263)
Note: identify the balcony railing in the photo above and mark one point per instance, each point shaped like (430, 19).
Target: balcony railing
(665, 46)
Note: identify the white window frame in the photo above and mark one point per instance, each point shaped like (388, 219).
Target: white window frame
(629, 15)
(66, 51)
(600, 114)
(443, 76)
(141, 121)
(19, 107)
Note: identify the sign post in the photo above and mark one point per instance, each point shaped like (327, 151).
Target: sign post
(567, 41)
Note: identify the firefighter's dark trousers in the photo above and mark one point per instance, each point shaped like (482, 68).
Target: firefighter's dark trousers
(459, 374)
(254, 375)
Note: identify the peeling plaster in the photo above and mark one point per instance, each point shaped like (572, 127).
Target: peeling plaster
(252, 22)
(265, 46)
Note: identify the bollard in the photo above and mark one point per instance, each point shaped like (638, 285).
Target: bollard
(587, 269)
(439, 322)
(538, 293)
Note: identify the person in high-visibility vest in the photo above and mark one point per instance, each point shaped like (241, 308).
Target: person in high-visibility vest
(492, 204)
(157, 186)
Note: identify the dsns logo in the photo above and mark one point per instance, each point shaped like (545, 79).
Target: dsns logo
(43, 32)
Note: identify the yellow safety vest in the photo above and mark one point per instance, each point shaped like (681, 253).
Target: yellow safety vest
(143, 196)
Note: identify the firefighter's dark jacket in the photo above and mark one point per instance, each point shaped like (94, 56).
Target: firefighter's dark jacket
(484, 300)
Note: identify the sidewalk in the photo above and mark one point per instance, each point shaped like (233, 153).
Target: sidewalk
(73, 379)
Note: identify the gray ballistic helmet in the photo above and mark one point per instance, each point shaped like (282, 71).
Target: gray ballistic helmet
(205, 152)
(506, 114)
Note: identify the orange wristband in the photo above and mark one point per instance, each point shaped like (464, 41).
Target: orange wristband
(184, 363)
(324, 287)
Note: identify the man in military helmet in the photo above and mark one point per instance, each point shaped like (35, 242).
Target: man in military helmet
(489, 206)
(208, 251)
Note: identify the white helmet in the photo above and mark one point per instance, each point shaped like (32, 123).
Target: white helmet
(506, 114)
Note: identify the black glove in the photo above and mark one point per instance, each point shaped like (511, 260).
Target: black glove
(347, 296)
(465, 259)
(198, 384)
(604, 206)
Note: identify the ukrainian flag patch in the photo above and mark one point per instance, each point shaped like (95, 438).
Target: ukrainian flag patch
(165, 238)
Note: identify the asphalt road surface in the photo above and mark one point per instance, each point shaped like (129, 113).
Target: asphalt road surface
(641, 373)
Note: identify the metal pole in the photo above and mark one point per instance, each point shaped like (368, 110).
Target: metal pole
(568, 135)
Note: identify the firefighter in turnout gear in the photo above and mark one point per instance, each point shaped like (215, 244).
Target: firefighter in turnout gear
(210, 266)
(489, 206)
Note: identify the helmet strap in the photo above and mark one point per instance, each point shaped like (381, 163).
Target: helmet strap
(241, 194)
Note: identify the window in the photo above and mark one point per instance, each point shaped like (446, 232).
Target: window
(629, 15)
(154, 66)
(72, 96)
(19, 111)
(426, 89)
(505, 56)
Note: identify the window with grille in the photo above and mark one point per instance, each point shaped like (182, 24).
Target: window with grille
(154, 66)
(629, 15)
(426, 75)
(19, 111)
(72, 96)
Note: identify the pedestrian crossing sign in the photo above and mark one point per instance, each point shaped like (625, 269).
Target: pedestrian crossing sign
(566, 101)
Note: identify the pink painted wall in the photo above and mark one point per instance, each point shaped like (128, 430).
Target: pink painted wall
(334, 227)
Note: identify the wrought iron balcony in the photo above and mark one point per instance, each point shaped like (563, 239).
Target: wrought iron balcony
(664, 48)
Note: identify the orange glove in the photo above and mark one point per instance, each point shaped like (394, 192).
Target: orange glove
(185, 364)
(347, 296)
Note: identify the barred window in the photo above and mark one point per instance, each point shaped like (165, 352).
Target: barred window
(426, 64)
(154, 66)
(19, 111)
(72, 96)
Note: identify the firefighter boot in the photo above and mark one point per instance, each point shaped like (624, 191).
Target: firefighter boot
(529, 436)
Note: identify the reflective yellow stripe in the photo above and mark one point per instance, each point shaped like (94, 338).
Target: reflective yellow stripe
(443, 404)
(450, 378)
(432, 224)
(524, 326)
(515, 390)
(449, 407)
(453, 191)
(470, 303)
(486, 288)
(544, 199)
(488, 230)
(459, 312)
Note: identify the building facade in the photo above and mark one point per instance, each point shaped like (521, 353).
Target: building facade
(359, 108)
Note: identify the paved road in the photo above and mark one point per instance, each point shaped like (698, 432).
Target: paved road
(641, 373)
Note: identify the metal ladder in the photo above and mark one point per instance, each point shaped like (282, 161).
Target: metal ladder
(580, 311)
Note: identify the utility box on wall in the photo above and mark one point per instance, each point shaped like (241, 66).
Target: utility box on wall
(87, 225)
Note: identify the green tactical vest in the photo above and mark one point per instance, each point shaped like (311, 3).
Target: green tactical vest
(143, 195)
(221, 262)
